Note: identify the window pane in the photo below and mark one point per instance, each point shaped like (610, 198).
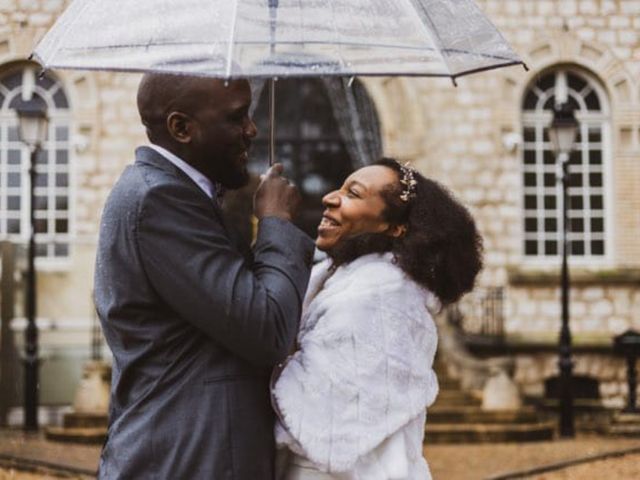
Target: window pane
(61, 250)
(62, 180)
(576, 202)
(576, 83)
(575, 179)
(595, 179)
(13, 203)
(595, 135)
(595, 157)
(546, 82)
(592, 101)
(531, 224)
(529, 157)
(576, 224)
(62, 203)
(549, 158)
(60, 99)
(62, 226)
(596, 202)
(549, 202)
(530, 101)
(12, 81)
(531, 247)
(529, 179)
(529, 134)
(44, 82)
(576, 247)
(13, 134)
(13, 225)
(62, 133)
(41, 225)
(41, 203)
(549, 179)
(550, 225)
(550, 247)
(42, 157)
(41, 179)
(548, 105)
(62, 157)
(13, 180)
(530, 202)
(13, 157)
(41, 250)
(597, 247)
(597, 225)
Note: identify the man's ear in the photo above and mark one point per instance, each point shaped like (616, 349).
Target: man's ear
(180, 127)
(397, 231)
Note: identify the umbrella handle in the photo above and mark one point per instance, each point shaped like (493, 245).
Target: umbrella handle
(272, 120)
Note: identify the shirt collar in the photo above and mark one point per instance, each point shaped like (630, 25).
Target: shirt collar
(198, 178)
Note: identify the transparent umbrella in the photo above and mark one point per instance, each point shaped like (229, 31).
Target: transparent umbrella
(276, 38)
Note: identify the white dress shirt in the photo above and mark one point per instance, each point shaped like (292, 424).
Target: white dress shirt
(203, 182)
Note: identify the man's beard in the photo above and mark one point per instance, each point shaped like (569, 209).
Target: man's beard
(349, 249)
(235, 179)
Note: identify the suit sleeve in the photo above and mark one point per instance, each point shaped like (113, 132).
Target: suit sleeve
(253, 309)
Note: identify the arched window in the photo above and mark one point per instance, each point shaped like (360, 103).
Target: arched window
(322, 130)
(587, 170)
(18, 84)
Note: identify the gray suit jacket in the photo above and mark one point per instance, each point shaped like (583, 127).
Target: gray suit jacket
(194, 329)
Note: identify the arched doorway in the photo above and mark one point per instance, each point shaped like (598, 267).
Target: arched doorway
(325, 129)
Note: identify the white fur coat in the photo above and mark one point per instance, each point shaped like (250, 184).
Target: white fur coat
(363, 371)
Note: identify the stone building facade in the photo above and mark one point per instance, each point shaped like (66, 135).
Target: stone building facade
(474, 138)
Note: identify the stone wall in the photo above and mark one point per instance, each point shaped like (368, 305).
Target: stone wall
(533, 369)
(461, 136)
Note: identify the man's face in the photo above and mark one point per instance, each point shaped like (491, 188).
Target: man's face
(222, 131)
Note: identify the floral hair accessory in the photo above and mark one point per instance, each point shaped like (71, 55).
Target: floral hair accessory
(408, 182)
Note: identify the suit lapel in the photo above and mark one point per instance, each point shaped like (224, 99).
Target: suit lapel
(149, 156)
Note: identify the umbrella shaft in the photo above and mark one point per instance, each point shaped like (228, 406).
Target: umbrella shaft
(272, 121)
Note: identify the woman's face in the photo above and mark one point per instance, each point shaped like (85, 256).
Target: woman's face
(356, 208)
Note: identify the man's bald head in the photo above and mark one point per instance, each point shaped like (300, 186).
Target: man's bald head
(202, 120)
(159, 94)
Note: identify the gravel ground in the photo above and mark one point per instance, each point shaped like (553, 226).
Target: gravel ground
(479, 461)
(447, 462)
(621, 468)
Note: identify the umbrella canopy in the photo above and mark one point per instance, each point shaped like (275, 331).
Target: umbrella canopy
(276, 38)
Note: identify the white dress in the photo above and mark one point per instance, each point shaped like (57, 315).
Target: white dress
(352, 400)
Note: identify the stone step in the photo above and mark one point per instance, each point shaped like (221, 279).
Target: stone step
(467, 414)
(448, 398)
(579, 404)
(446, 383)
(627, 418)
(94, 436)
(624, 430)
(84, 420)
(481, 433)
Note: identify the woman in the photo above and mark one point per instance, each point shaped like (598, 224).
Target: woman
(352, 399)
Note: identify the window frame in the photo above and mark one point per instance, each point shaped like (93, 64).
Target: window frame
(58, 117)
(538, 119)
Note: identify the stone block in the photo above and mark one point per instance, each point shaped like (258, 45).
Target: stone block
(7, 5)
(628, 37)
(601, 308)
(592, 293)
(40, 19)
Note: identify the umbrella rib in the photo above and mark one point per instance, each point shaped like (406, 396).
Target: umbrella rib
(433, 35)
(232, 36)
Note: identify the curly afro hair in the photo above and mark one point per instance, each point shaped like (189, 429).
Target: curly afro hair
(441, 249)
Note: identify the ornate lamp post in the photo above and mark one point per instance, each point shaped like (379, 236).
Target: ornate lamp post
(33, 120)
(562, 133)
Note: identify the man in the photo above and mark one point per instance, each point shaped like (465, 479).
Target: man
(194, 327)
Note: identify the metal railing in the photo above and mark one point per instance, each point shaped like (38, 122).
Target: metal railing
(480, 313)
